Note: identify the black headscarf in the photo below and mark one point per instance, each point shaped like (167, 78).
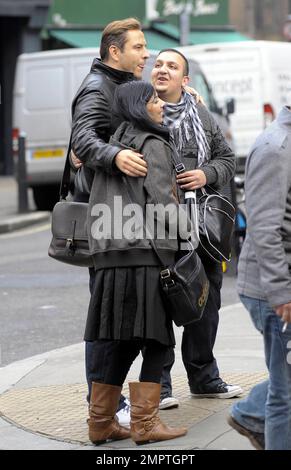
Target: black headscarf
(130, 102)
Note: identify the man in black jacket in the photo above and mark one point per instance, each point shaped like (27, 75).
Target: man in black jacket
(123, 55)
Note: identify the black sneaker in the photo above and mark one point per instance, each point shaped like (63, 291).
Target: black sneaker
(257, 439)
(220, 390)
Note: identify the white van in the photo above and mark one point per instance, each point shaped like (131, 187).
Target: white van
(45, 84)
(257, 74)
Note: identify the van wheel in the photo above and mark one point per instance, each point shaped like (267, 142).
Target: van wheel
(46, 196)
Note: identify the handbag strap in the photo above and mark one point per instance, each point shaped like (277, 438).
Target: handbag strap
(180, 168)
(178, 165)
(190, 196)
(193, 209)
(65, 184)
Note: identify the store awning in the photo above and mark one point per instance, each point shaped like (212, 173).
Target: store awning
(81, 38)
(201, 36)
(77, 38)
(204, 37)
(156, 41)
(162, 36)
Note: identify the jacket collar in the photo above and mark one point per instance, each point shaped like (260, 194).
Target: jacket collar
(284, 117)
(116, 75)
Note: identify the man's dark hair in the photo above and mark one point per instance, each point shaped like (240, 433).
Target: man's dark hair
(130, 102)
(115, 34)
(186, 67)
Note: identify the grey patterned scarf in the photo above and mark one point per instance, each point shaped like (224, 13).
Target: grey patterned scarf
(182, 118)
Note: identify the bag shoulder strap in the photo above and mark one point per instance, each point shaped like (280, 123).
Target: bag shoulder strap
(65, 183)
(178, 165)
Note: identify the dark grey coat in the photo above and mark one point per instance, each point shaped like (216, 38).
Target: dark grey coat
(110, 190)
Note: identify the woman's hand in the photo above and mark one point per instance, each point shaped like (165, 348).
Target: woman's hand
(195, 93)
(193, 179)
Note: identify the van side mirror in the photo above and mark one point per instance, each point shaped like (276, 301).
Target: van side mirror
(230, 106)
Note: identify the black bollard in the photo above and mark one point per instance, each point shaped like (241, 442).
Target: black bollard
(21, 176)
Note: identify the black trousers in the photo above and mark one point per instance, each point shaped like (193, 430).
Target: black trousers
(97, 356)
(197, 344)
(198, 340)
(109, 361)
(123, 353)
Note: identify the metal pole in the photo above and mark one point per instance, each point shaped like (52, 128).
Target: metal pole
(185, 25)
(251, 18)
(21, 175)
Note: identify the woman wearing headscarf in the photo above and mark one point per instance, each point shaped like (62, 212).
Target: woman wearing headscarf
(126, 305)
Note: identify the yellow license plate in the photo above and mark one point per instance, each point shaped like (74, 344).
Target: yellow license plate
(48, 153)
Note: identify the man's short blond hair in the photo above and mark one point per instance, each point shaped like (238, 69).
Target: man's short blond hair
(115, 34)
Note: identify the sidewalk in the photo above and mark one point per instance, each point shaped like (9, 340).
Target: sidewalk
(10, 220)
(43, 398)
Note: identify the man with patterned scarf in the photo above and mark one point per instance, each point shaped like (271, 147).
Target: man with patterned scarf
(208, 160)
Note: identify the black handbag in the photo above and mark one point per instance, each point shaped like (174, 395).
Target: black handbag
(184, 284)
(216, 223)
(69, 242)
(216, 217)
(185, 287)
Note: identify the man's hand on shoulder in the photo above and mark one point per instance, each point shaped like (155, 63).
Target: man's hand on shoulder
(198, 98)
(131, 163)
(284, 311)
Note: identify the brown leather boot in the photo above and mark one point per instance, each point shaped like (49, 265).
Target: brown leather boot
(102, 423)
(145, 425)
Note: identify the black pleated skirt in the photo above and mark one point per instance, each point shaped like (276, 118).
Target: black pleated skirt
(126, 303)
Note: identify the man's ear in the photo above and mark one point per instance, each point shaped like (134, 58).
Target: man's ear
(186, 80)
(114, 52)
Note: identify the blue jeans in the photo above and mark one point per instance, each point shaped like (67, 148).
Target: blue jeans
(267, 408)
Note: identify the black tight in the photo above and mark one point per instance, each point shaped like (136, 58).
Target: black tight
(121, 355)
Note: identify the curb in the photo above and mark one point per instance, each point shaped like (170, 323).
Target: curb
(209, 433)
(11, 223)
